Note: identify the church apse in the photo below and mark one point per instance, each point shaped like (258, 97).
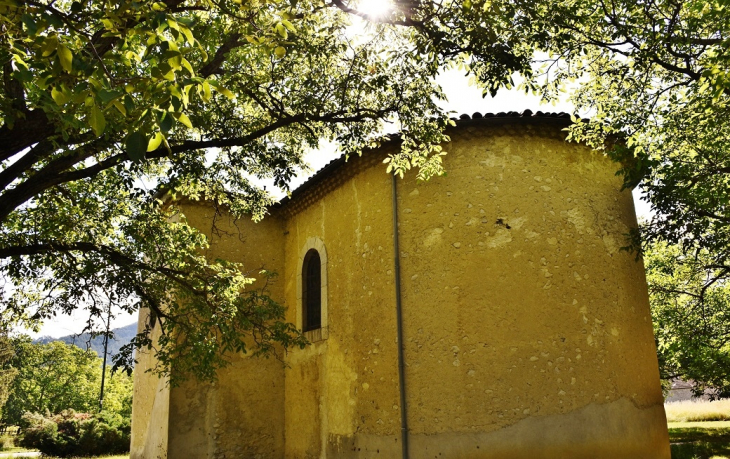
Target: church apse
(526, 328)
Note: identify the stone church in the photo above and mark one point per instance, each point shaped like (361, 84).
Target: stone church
(526, 330)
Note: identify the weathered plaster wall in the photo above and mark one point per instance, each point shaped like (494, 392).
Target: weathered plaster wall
(527, 329)
(150, 405)
(242, 415)
(345, 384)
(520, 309)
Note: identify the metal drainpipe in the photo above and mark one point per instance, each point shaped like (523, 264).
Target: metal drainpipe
(399, 319)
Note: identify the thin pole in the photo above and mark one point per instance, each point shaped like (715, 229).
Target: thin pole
(399, 320)
(103, 366)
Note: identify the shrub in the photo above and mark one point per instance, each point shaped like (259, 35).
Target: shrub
(76, 434)
(6, 442)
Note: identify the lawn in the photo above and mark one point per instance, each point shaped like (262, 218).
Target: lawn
(4, 455)
(699, 429)
(698, 410)
(123, 456)
(700, 440)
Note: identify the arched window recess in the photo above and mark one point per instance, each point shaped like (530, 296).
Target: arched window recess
(312, 290)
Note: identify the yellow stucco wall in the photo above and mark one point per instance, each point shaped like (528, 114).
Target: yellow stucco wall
(151, 403)
(349, 382)
(242, 415)
(527, 330)
(529, 313)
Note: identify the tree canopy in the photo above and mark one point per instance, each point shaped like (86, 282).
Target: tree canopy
(7, 375)
(105, 106)
(691, 319)
(55, 377)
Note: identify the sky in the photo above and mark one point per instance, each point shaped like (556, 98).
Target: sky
(462, 98)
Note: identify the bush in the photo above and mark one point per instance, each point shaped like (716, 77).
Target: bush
(7, 442)
(76, 434)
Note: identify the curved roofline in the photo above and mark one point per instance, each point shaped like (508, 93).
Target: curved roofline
(560, 119)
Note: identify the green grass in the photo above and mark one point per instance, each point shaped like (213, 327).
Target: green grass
(123, 456)
(4, 455)
(700, 440)
(7, 452)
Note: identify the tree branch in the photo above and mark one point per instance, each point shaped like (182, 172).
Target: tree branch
(114, 256)
(214, 64)
(15, 170)
(407, 22)
(26, 132)
(53, 174)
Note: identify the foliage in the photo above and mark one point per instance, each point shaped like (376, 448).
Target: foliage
(118, 392)
(690, 306)
(7, 375)
(76, 434)
(109, 107)
(7, 442)
(103, 99)
(106, 107)
(54, 377)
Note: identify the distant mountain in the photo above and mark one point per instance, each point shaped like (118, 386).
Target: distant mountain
(122, 336)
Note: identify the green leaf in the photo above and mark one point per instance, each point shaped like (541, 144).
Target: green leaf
(280, 51)
(183, 118)
(155, 142)
(54, 20)
(49, 46)
(225, 92)
(120, 107)
(97, 120)
(188, 35)
(66, 57)
(206, 91)
(29, 24)
(175, 101)
(281, 30)
(59, 96)
(175, 62)
(128, 103)
(288, 25)
(187, 66)
(107, 96)
(136, 146)
(166, 122)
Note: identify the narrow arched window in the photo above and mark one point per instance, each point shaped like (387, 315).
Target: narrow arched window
(312, 291)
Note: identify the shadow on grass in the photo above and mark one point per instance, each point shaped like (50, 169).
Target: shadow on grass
(700, 450)
(699, 442)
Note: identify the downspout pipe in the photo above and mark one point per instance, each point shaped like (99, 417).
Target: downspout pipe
(399, 320)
